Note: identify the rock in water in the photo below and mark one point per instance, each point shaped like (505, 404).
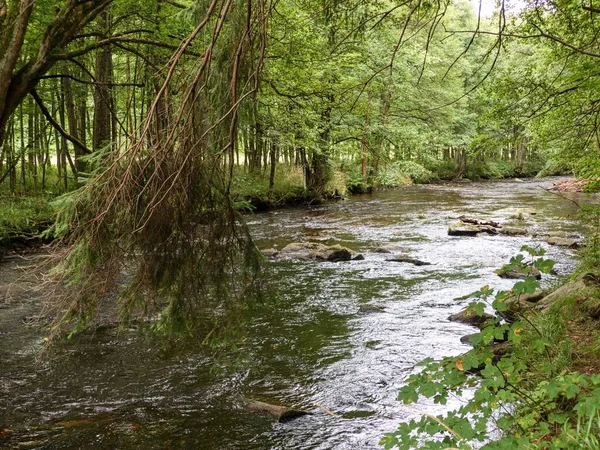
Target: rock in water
(269, 252)
(414, 261)
(341, 254)
(316, 250)
(513, 231)
(562, 242)
(462, 229)
(281, 413)
(368, 309)
(470, 317)
(514, 274)
(466, 226)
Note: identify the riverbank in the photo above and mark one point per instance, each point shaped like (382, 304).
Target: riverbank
(22, 221)
(24, 218)
(534, 370)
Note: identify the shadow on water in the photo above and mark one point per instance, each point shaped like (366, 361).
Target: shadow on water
(338, 341)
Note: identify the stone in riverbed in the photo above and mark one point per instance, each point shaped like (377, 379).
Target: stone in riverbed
(281, 413)
(416, 262)
(466, 339)
(369, 309)
(382, 250)
(339, 254)
(470, 317)
(514, 274)
(512, 231)
(563, 242)
(269, 252)
(316, 250)
(462, 228)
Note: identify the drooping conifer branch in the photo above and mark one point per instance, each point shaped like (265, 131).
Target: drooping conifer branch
(159, 216)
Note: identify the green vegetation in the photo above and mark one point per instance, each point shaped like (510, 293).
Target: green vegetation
(530, 381)
(23, 219)
(161, 121)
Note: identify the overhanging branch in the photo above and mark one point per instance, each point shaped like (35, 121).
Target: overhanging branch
(55, 124)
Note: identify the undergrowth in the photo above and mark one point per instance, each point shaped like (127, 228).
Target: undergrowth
(523, 390)
(23, 217)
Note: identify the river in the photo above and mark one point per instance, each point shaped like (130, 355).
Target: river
(315, 349)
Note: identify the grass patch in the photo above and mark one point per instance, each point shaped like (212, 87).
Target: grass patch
(23, 218)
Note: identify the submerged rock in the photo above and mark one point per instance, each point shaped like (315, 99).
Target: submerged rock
(382, 250)
(416, 262)
(358, 257)
(281, 413)
(368, 309)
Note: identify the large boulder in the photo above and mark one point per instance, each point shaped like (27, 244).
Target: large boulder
(316, 250)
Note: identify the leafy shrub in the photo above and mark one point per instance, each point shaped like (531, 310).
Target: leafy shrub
(527, 390)
(555, 167)
(402, 173)
(443, 169)
(23, 216)
(487, 170)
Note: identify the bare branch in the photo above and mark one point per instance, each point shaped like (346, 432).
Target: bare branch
(78, 80)
(55, 124)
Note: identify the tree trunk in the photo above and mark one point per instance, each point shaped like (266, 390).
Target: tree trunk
(72, 119)
(15, 84)
(273, 157)
(102, 91)
(319, 173)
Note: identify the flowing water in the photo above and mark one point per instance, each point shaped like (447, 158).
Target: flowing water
(316, 349)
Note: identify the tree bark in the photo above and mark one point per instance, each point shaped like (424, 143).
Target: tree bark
(102, 91)
(15, 84)
(72, 120)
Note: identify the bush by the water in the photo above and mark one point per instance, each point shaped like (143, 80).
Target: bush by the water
(23, 217)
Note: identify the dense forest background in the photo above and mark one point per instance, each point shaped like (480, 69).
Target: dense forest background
(337, 95)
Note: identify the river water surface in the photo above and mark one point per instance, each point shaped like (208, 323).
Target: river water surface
(117, 390)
